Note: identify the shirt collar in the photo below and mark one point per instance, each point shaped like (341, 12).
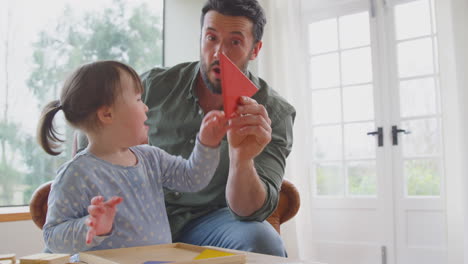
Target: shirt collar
(193, 82)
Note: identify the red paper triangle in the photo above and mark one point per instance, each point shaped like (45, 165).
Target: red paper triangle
(234, 84)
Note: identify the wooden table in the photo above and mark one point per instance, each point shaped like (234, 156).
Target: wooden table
(177, 252)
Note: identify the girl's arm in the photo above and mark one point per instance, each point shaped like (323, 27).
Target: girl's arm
(195, 173)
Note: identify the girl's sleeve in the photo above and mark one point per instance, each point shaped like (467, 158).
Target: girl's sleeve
(189, 175)
(65, 229)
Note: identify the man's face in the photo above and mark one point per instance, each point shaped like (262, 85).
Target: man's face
(232, 35)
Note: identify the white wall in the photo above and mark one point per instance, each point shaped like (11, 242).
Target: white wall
(182, 31)
(21, 238)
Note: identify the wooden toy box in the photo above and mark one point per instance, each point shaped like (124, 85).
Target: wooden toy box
(175, 253)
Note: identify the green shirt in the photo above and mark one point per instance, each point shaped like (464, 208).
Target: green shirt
(174, 118)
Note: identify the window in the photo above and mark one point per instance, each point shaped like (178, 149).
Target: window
(341, 80)
(41, 42)
(346, 63)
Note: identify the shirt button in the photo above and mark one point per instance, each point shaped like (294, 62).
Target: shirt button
(177, 195)
(192, 141)
(200, 112)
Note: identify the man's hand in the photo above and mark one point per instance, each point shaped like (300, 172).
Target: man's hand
(101, 216)
(213, 128)
(250, 130)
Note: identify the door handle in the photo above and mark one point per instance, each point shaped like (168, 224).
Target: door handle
(395, 131)
(379, 133)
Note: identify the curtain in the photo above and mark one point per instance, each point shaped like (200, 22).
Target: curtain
(283, 64)
(453, 53)
(454, 13)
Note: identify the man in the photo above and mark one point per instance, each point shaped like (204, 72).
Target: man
(231, 210)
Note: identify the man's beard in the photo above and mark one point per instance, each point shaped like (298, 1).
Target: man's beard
(216, 87)
(213, 87)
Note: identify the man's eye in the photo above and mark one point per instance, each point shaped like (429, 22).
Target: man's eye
(211, 38)
(236, 42)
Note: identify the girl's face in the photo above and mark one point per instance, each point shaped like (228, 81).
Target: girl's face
(130, 113)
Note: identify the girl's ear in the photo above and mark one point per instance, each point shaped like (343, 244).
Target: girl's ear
(104, 114)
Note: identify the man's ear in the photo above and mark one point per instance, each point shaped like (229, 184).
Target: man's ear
(256, 49)
(104, 114)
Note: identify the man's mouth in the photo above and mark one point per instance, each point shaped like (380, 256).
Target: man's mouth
(217, 71)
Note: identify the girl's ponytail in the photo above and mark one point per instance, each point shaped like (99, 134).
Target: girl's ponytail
(47, 135)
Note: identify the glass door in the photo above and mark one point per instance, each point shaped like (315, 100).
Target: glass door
(377, 161)
(417, 136)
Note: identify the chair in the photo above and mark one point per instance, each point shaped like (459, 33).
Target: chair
(288, 205)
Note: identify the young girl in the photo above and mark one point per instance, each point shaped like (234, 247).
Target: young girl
(111, 194)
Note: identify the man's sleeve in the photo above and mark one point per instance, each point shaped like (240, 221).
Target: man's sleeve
(270, 166)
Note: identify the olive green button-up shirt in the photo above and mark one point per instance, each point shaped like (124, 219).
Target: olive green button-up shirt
(174, 118)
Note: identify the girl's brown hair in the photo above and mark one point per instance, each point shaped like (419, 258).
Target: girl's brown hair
(87, 89)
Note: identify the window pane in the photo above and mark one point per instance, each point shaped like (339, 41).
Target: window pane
(359, 145)
(354, 30)
(323, 36)
(324, 71)
(436, 54)
(329, 179)
(412, 19)
(358, 103)
(326, 106)
(362, 178)
(424, 138)
(422, 178)
(327, 143)
(41, 42)
(418, 97)
(356, 66)
(434, 21)
(415, 58)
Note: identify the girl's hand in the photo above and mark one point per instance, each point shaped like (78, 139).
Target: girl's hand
(101, 216)
(213, 128)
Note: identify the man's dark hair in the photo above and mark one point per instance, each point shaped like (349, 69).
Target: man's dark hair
(247, 8)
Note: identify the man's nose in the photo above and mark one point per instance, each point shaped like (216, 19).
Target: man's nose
(220, 49)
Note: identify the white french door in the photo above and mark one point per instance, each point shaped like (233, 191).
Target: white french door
(377, 165)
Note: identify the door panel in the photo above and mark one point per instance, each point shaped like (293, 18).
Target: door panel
(369, 72)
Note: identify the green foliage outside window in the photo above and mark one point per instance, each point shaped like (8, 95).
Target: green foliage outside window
(422, 177)
(132, 35)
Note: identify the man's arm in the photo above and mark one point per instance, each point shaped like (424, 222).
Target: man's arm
(253, 186)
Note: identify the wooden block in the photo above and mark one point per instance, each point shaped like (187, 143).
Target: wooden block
(211, 253)
(45, 258)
